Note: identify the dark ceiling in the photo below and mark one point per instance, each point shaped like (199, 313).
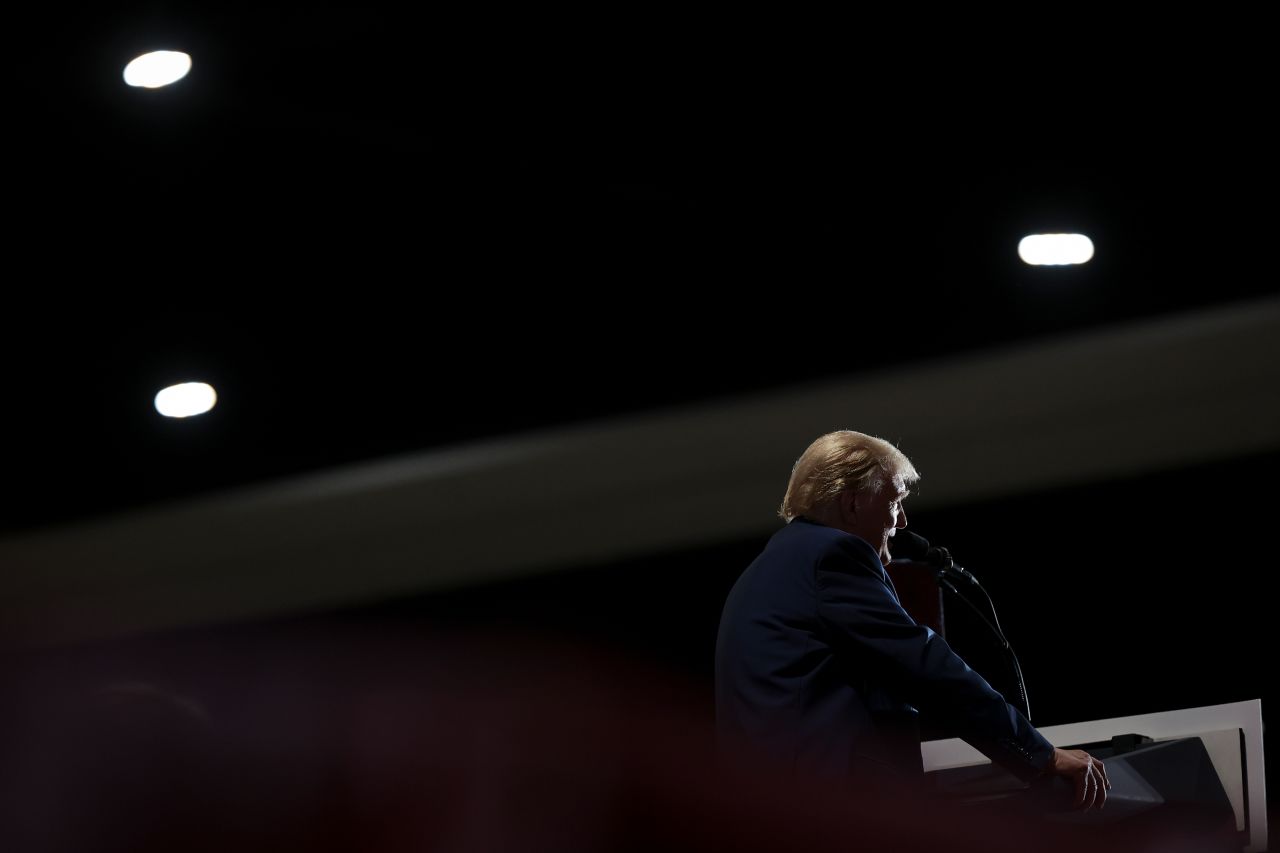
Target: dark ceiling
(376, 231)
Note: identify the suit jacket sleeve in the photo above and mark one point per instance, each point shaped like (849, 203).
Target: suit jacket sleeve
(864, 623)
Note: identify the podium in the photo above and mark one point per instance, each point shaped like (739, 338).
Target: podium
(1199, 767)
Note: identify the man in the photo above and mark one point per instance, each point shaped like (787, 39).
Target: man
(819, 667)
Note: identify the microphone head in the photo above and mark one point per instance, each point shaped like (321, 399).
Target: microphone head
(905, 545)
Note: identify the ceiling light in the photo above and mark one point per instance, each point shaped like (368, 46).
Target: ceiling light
(1055, 249)
(158, 68)
(185, 400)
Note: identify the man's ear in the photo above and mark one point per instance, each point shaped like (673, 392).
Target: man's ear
(848, 503)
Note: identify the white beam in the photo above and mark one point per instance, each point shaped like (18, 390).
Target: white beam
(1149, 397)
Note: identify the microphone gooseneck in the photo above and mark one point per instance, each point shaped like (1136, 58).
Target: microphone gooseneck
(913, 546)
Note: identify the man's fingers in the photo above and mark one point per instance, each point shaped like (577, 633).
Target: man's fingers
(1091, 791)
(1084, 792)
(1091, 781)
(1101, 781)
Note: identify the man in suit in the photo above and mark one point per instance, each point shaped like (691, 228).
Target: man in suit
(818, 666)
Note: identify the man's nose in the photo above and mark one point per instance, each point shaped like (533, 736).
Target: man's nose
(902, 518)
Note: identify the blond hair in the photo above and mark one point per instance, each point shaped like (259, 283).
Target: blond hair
(843, 460)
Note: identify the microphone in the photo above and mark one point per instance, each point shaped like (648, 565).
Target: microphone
(913, 546)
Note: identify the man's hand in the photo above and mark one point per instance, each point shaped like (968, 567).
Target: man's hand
(1086, 772)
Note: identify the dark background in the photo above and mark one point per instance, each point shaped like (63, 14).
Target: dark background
(378, 232)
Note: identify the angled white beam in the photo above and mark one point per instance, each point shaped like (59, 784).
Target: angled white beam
(1147, 397)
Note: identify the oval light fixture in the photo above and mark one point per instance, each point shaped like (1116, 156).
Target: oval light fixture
(1052, 250)
(185, 400)
(158, 68)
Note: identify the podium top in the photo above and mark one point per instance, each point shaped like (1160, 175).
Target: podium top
(1243, 778)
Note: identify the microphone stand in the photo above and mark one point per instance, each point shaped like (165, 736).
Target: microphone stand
(946, 568)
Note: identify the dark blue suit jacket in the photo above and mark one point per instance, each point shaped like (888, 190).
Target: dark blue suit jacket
(819, 666)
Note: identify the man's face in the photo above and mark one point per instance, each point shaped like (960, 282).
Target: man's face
(879, 515)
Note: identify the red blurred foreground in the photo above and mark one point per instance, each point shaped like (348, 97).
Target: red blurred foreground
(400, 743)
